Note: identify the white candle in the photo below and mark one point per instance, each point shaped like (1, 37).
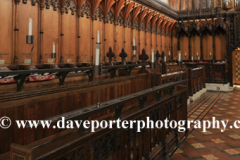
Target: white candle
(210, 54)
(197, 53)
(152, 57)
(179, 57)
(169, 53)
(165, 58)
(97, 57)
(185, 54)
(54, 47)
(98, 37)
(198, 57)
(192, 58)
(30, 27)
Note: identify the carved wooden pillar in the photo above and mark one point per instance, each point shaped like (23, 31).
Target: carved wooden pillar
(92, 35)
(115, 41)
(61, 36)
(139, 44)
(42, 5)
(214, 48)
(104, 38)
(132, 41)
(189, 47)
(201, 47)
(16, 33)
(78, 35)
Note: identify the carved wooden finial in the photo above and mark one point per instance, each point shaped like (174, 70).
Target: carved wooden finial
(123, 55)
(110, 55)
(143, 56)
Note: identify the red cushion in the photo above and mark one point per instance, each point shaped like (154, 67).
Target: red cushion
(7, 81)
(41, 78)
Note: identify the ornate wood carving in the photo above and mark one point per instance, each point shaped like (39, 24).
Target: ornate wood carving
(120, 20)
(70, 5)
(148, 29)
(76, 154)
(142, 26)
(33, 2)
(98, 14)
(54, 3)
(85, 10)
(135, 24)
(110, 17)
(128, 22)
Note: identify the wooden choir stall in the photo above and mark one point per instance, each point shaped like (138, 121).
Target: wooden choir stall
(106, 60)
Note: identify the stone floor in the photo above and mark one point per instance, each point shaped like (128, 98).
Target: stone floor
(213, 144)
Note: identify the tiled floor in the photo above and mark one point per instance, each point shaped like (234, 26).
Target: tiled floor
(213, 144)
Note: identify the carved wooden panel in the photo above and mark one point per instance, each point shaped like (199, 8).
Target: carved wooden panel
(221, 46)
(236, 67)
(85, 40)
(6, 32)
(175, 50)
(148, 43)
(195, 46)
(119, 41)
(50, 34)
(207, 47)
(128, 42)
(69, 39)
(184, 47)
(24, 50)
(142, 41)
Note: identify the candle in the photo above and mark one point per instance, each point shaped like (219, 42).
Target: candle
(54, 47)
(98, 37)
(185, 54)
(169, 53)
(134, 42)
(97, 57)
(165, 58)
(179, 57)
(210, 54)
(30, 27)
(192, 58)
(197, 53)
(152, 57)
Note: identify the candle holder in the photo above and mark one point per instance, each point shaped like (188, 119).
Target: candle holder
(30, 40)
(152, 65)
(134, 53)
(98, 103)
(54, 56)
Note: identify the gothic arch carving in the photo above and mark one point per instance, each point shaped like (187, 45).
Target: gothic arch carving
(54, 3)
(70, 5)
(33, 2)
(98, 14)
(85, 10)
(110, 17)
(154, 29)
(135, 24)
(148, 29)
(120, 20)
(128, 22)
